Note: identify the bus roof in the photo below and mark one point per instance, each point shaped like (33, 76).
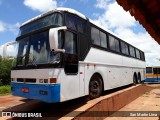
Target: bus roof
(57, 9)
(74, 12)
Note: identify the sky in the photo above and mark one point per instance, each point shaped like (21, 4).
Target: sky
(106, 13)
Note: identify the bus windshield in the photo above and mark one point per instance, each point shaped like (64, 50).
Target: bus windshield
(35, 50)
(53, 19)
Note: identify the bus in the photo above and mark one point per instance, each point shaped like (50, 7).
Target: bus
(63, 55)
(152, 74)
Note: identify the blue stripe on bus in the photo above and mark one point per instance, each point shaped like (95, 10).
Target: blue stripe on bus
(47, 92)
(152, 80)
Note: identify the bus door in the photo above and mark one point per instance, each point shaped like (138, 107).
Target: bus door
(70, 56)
(156, 74)
(71, 65)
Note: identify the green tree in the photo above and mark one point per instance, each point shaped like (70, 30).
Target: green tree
(5, 71)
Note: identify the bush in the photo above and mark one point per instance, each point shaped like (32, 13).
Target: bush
(5, 89)
(5, 71)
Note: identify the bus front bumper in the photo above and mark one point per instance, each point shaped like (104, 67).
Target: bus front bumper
(49, 93)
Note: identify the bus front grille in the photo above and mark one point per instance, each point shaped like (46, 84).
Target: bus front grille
(28, 80)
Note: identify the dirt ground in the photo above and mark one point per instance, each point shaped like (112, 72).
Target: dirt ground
(146, 104)
(145, 107)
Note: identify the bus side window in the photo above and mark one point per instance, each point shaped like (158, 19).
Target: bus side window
(103, 39)
(132, 51)
(158, 70)
(155, 70)
(148, 69)
(114, 44)
(76, 23)
(111, 43)
(137, 54)
(95, 36)
(142, 56)
(117, 47)
(70, 43)
(124, 48)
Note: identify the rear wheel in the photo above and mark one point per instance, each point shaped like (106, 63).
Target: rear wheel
(139, 78)
(95, 87)
(134, 79)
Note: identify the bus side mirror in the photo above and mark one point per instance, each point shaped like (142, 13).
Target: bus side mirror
(53, 38)
(5, 54)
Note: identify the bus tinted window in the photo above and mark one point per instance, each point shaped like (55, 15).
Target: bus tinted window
(76, 23)
(148, 69)
(53, 19)
(117, 48)
(95, 36)
(70, 43)
(103, 39)
(124, 48)
(111, 43)
(132, 51)
(142, 56)
(156, 70)
(137, 54)
(114, 44)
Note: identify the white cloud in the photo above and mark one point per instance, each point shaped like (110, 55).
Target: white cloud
(61, 3)
(41, 5)
(1, 50)
(123, 24)
(13, 28)
(2, 26)
(11, 50)
(114, 15)
(9, 27)
(103, 4)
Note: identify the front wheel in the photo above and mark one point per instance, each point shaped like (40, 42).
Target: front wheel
(95, 87)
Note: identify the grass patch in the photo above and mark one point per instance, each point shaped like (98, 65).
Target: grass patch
(5, 90)
(146, 93)
(158, 87)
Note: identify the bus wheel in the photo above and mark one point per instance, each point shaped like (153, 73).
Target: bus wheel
(139, 78)
(95, 87)
(134, 79)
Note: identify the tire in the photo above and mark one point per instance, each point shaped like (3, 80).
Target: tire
(95, 87)
(139, 78)
(134, 79)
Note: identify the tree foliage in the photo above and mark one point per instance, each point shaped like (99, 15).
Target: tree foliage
(5, 71)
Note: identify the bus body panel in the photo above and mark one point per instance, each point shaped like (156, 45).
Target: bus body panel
(153, 75)
(47, 93)
(116, 70)
(69, 83)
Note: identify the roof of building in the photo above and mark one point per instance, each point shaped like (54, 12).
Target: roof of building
(147, 12)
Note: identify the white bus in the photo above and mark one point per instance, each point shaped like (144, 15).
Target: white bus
(63, 55)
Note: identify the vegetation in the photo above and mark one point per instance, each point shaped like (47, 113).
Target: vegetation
(5, 71)
(4, 90)
(158, 87)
